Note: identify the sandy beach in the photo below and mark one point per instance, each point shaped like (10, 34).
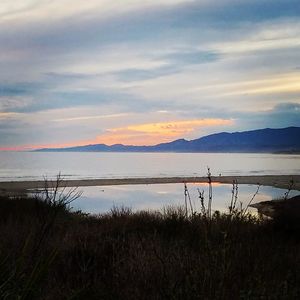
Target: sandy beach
(279, 181)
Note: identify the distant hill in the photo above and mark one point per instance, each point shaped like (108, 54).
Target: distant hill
(284, 140)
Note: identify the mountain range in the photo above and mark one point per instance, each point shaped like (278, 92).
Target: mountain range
(283, 140)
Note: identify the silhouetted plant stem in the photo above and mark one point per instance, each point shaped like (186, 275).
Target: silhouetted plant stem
(187, 198)
(234, 193)
(286, 194)
(201, 197)
(209, 192)
(251, 200)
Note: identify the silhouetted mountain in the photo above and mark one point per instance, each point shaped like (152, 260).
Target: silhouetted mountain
(262, 140)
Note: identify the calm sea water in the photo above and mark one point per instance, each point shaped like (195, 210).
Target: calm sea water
(36, 165)
(157, 196)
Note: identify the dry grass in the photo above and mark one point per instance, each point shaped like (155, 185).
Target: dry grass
(50, 253)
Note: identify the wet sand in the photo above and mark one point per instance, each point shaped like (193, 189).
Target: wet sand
(279, 181)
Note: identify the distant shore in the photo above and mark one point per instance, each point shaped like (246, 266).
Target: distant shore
(278, 181)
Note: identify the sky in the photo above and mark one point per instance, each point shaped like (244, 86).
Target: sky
(76, 72)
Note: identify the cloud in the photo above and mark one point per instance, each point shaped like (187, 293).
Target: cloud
(96, 65)
(192, 57)
(283, 83)
(154, 133)
(7, 115)
(87, 118)
(175, 62)
(280, 116)
(40, 7)
(83, 126)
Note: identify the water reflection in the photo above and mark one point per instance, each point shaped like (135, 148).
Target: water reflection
(156, 196)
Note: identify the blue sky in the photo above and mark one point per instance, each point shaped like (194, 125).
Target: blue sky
(144, 72)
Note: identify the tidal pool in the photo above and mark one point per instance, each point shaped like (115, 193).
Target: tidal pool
(100, 199)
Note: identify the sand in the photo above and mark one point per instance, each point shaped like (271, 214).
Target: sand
(279, 181)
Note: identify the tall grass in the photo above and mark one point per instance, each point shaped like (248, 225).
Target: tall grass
(166, 254)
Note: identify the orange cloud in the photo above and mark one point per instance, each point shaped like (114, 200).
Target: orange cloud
(153, 133)
(16, 148)
(140, 134)
(40, 146)
(8, 115)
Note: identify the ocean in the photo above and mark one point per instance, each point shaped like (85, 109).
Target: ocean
(86, 165)
(82, 165)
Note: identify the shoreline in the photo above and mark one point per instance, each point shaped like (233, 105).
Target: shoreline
(278, 181)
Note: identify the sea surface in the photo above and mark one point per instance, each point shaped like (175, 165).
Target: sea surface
(17, 166)
(86, 165)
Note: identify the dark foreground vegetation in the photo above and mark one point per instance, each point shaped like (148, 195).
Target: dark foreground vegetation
(47, 252)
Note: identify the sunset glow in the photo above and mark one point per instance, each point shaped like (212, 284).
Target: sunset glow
(154, 133)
